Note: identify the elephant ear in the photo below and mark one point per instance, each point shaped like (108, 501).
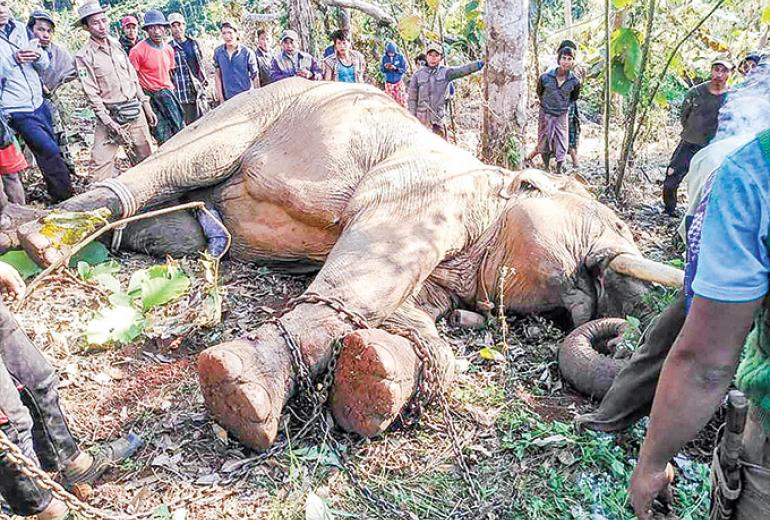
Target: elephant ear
(533, 180)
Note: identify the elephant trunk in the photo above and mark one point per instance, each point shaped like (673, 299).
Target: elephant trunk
(585, 357)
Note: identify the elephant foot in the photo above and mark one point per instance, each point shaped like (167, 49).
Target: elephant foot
(245, 386)
(376, 375)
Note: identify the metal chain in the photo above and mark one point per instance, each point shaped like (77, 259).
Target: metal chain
(32, 471)
(428, 388)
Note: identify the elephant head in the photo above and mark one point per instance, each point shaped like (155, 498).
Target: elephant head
(555, 247)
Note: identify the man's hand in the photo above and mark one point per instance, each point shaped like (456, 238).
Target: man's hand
(26, 56)
(647, 485)
(11, 281)
(302, 73)
(114, 127)
(152, 119)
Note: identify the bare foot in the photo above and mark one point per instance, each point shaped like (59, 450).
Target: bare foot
(245, 384)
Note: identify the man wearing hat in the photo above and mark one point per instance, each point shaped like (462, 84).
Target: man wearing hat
(60, 71)
(749, 63)
(153, 60)
(21, 62)
(428, 87)
(112, 88)
(292, 61)
(130, 33)
(187, 74)
(235, 65)
(699, 116)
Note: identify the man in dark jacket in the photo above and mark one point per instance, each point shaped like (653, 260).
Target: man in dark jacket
(699, 117)
(187, 74)
(428, 86)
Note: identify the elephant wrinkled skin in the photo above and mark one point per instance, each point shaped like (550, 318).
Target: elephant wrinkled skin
(402, 225)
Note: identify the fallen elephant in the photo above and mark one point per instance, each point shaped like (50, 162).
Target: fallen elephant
(403, 226)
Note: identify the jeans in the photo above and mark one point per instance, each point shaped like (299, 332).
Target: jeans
(36, 128)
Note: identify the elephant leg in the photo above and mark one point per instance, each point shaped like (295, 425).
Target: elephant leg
(378, 372)
(245, 383)
(176, 234)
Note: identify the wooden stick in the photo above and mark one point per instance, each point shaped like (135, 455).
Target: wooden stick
(64, 260)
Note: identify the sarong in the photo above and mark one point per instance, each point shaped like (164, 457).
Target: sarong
(397, 91)
(552, 134)
(169, 112)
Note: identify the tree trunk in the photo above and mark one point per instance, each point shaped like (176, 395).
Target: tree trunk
(301, 20)
(628, 137)
(568, 17)
(505, 111)
(607, 91)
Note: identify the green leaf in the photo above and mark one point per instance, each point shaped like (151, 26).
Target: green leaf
(85, 271)
(410, 27)
(765, 18)
(108, 281)
(620, 83)
(94, 253)
(117, 324)
(119, 299)
(661, 100)
(20, 260)
(625, 47)
(433, 5)
(471, 6)
(491, 354)
(621, 4)
(159, 289)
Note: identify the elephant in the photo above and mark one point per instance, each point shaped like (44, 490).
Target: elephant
(400, 226)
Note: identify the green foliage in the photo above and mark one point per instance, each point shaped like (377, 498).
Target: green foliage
(626, 52)
(765, 18)
(410, 27)
(158, 285)
(621, 4)
(93, 253)
(20, 260)
(116, 324)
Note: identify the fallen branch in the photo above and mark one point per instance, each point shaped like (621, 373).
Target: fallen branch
(65, 259)
(373, 10)
(261, 17)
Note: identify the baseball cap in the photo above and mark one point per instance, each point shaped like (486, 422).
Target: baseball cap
(288, 34)
(39, 14)
(129, 20)
(435, 47)
(723, 60)
(229, 24)
(176, 17)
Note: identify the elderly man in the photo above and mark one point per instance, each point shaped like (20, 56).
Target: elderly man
(130, 35)
(428, 86)
(112, 88)
(699, 117)
(153, 60)
(292, 61)
(187, 74)
(235, 65)
(21, 62)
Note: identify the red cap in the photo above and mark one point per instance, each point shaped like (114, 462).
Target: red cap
(128, 20)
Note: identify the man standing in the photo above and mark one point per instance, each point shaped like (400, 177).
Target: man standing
(153, 60)
(292, 61)
(730, 288)
(699, 113)
(60, 71)
(264, 54)
(235, 65)
(428, 86)
(112, 88)
(130, 36)
(21, 61)
(187, 74)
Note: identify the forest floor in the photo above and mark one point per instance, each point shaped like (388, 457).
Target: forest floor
(513, 416)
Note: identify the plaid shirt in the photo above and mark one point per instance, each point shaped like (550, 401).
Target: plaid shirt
(181, 74)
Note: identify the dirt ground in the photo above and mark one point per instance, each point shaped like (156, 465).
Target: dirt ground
(513, 416)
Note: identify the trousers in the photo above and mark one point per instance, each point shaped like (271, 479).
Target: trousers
(30, 416)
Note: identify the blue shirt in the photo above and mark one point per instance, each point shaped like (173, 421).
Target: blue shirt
(346, 73)
(733, 263)
(237, 70)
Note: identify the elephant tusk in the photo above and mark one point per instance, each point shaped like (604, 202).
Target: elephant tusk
(648, 270)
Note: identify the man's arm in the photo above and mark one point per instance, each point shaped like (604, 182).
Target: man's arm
(218, 86)
(92, 90)
(463, 70)
(684, 111)
(575, 94)
(315, 71)
(199, 72)
(276, 73)
(253, 69)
